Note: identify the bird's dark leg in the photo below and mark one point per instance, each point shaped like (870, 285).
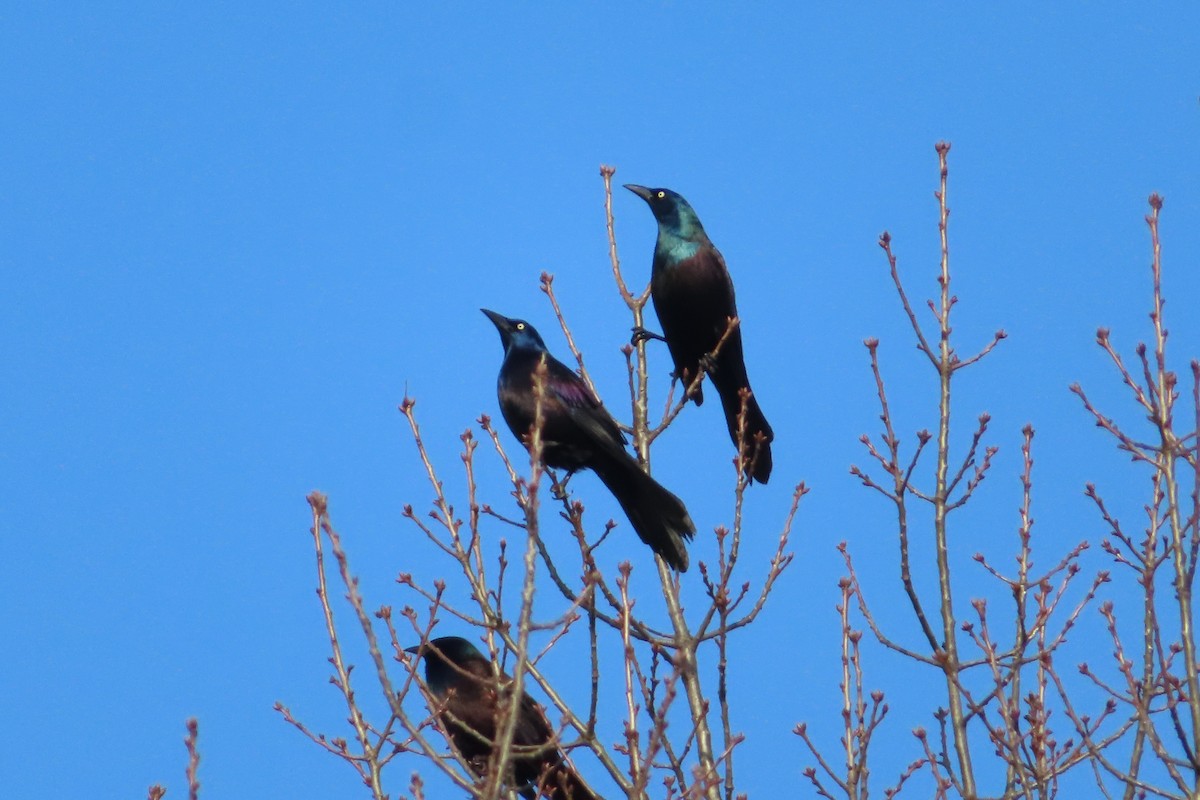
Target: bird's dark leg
(558, 488)
(640, 335)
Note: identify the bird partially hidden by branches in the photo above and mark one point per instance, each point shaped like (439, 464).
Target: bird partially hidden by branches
(577, 433)
(462, 679)
(694, 299)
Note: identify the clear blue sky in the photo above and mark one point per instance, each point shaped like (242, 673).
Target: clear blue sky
(234, 236)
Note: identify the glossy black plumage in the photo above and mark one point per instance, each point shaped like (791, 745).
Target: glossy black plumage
(694, 298)
(462, 678)
(577, 433)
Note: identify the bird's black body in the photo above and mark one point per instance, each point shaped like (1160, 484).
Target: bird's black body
(461, 678)
(694, 299)
(577, 433)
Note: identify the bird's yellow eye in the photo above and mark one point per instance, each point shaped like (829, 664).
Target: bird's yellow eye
(520, 326)
(661, 195)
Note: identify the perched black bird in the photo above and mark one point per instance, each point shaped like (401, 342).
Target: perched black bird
(577, 433)
(459, 676)
(693, 296)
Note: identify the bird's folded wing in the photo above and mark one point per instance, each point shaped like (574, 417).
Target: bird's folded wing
(582, 406)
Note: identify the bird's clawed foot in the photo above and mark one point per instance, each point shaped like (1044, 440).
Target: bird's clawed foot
(558, 488)
(640, 335)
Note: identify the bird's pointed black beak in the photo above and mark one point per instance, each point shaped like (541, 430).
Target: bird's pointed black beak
(415, 649)
(640, 191)
(502, 323)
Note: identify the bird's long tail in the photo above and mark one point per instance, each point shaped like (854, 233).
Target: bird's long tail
(561, 782)
(658, 516)
(758, 463)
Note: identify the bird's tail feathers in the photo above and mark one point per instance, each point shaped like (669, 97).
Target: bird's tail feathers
(758, 461)
(562, 782)
(659, 517)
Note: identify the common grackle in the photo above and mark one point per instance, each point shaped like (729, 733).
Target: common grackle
(693, 296)
(461, 678)
(578, 433)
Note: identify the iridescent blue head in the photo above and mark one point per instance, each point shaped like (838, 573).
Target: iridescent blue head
(515, 334)
(676, 217)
